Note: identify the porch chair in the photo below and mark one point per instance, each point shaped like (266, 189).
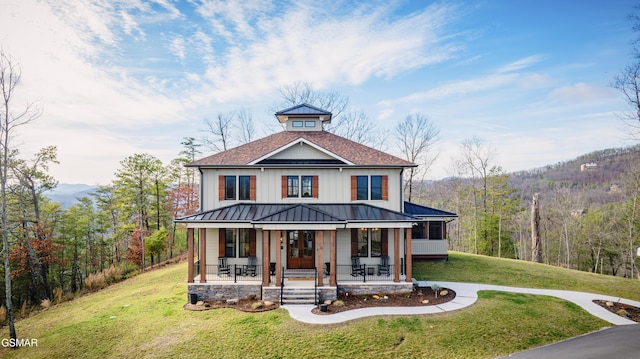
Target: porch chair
(384, 266)
(250, 269)
(327, 269)
(272, 268)
(223, 266)
(356, 268)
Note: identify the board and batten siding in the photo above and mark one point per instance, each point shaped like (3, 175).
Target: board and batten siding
(334, 185)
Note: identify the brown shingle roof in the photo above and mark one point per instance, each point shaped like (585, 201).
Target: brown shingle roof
(351, 151)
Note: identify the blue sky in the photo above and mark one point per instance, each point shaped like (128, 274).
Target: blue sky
(115, 78)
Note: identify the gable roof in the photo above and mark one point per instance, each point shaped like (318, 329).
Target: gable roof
(342, 148)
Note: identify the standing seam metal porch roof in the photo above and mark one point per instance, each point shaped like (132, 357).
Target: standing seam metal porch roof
(298, 213)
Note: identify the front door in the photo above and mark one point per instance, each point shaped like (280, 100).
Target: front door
(300, 249)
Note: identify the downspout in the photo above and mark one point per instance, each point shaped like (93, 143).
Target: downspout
(401, 191)
(404, 247)
(201, 189)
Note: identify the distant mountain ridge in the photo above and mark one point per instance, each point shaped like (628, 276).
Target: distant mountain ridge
(67, 194)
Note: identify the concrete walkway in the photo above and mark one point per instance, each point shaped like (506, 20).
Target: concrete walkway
(466, 294)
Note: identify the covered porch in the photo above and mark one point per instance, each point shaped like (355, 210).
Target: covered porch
(300, 246)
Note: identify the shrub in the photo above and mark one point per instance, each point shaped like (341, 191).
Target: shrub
(338, 303)
(3, 314)
(112, 274)
(46, 303)
(57, 293)
(257, 305)
(23, 310)
(95, 281)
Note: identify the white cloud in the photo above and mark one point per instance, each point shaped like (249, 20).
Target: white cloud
(349, 48)
(521, 64)
(581, 92)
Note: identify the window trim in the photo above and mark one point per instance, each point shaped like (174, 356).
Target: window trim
(246, 188)
(362, 188)
(231, 241)
(372, 231)
(293, 190)
(359, 246)
(228, 187)
(298, 190)
(371, 188)
(244, 242)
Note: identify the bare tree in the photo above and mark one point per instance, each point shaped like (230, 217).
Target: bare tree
(9, 120)
(477, 157)
(536, 249)
(416, 135)
(356, 126)
(628, 83)
(244, 126)
(220, 130)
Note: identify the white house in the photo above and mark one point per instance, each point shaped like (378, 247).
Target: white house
(308, 205)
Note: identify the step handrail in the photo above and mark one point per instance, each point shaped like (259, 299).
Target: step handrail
(315, 286)
(282, 287)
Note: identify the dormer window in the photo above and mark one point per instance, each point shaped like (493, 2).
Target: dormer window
(296, 123)
(309, 123)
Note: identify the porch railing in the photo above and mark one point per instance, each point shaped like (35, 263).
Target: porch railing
(371, 273)
(235, 273)
(429, 246)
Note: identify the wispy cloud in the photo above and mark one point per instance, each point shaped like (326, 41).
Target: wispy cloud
(521, 64)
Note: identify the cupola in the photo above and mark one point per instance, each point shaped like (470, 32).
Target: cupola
(304, 117)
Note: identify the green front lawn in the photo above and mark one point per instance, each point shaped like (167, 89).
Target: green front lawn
(143, 317)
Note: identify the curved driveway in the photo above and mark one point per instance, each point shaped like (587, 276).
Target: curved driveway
(466, 294)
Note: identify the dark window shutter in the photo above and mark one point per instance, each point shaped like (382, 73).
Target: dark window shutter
(221, 241)
(384, 233)
(354, 242)
(252, 242)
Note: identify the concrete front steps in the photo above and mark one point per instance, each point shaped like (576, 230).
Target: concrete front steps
(296, 295)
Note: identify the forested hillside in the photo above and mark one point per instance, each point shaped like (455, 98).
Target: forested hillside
(588, 211)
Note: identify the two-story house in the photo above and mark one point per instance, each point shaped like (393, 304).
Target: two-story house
(304, 208)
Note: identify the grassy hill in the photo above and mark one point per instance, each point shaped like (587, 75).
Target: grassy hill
(143, 317)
